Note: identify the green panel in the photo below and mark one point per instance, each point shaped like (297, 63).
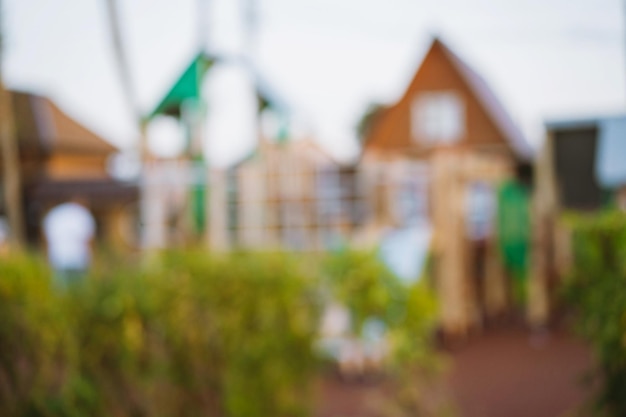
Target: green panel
(199, 197)
(514, 228)
(198, 200)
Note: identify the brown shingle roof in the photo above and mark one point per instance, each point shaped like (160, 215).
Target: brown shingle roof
(389, 129)
(42, 127)
(492, 105)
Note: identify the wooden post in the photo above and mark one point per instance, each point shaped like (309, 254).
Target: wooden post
(12, 180)
(152, 208)
(218, 203)
(447, 215)
(543, 207)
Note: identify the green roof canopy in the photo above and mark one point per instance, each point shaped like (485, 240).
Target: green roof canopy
(187, 87)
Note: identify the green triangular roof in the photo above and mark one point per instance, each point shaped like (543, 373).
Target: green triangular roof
(186, 87)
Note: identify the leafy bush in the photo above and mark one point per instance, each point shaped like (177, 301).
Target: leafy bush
(596, 287)
(369, 290)
(187, 334)
(361, 281)
(34, 340)
(228, 335)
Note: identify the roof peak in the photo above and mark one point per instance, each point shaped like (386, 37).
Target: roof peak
(487, 98)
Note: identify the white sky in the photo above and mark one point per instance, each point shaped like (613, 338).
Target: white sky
(328, 58)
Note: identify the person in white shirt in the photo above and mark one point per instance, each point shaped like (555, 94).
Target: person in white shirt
(69, 229)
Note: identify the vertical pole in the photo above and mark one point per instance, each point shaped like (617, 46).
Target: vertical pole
(250, 26)
(203, 25)
(200, 191)
(447, 217)
(10, 154)
(543, 207)
(123, 68)
(250, 17)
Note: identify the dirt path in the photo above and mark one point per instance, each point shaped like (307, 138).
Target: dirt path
(505, 373)
(509, 373)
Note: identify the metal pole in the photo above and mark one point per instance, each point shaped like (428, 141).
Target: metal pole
(204, 26)
(251, 26)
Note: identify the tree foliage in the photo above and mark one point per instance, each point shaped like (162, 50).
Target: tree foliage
(596, 287)
(368, 119)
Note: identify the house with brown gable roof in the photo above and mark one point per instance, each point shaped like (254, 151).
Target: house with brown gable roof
(61, 159)
(447, 105)
(443, 150)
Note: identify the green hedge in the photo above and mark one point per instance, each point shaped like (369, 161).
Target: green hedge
(596, 287)
(35, 340)
(187, 335)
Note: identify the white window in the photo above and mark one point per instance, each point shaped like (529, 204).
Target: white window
(437, 118)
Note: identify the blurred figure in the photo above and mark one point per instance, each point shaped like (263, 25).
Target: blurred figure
(4, 236)
(69, 229)
(356, 356)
